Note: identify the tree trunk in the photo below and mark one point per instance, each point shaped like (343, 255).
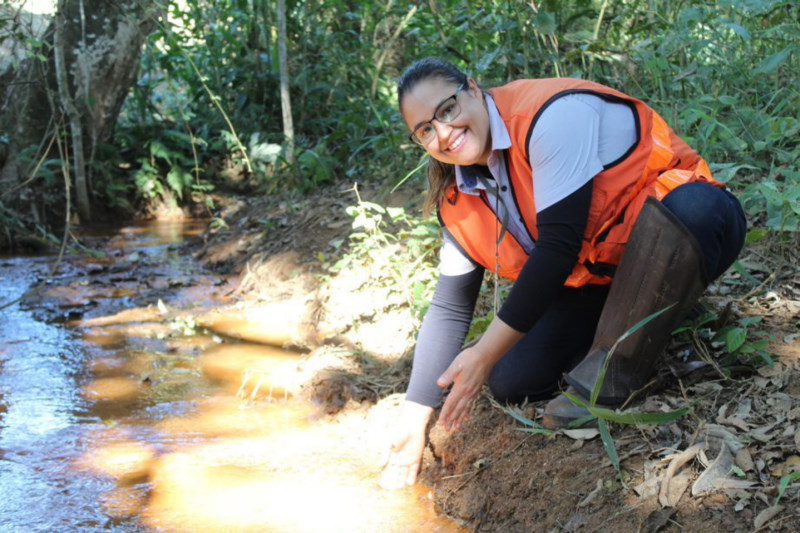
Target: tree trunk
(101, 43)
(286, 103)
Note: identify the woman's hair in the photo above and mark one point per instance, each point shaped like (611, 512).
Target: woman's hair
(440, 175)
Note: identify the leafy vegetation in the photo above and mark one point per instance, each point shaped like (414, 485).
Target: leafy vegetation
(205, 110)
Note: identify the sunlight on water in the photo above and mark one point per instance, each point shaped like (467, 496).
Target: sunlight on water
(121, 418)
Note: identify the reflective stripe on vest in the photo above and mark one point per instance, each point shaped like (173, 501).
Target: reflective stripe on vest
(658, 162)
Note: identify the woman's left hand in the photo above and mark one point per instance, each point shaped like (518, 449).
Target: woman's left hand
(468, 372)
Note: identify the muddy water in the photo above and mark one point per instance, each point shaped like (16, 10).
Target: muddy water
(115, 414)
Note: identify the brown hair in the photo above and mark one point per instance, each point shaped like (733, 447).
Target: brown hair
(440, 175)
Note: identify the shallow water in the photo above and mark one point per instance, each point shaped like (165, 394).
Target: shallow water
(119, 416)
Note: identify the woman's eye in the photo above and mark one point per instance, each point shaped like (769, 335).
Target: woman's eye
(425, 131)
(447, 112)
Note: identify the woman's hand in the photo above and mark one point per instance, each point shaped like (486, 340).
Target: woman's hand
(407, 444)
(468, 372)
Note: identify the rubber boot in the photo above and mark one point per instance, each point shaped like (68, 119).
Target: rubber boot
(662, 265)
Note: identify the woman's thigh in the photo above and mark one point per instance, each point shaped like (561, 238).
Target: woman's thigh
(558, 341)
(716, 219)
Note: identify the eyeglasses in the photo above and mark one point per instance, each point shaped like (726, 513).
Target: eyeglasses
(446, 113)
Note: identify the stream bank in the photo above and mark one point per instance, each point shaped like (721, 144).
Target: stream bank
(354, 336)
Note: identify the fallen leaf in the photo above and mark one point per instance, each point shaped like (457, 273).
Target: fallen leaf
(658, 519)
(714, 475)
(715, 435)
(766, 515)
(582, 434)
(576, 522)
(666, 494)
(592, 495)
(670, 494)
(743, 410)
(744, 460)
(762, 434)
(789, 466)
(733, 421)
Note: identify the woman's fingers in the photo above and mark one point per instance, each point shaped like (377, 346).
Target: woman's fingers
(411, 474)
(449, 375)
(456, 407)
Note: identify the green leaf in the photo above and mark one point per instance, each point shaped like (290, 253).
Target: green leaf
(579, 422)
(633, 418)
(176, 179)
(773, 62)
(735, 338)
(158, 150)
(766, 357)
(755, 235)
(536, 431)
(784, 484)
(739, 30)
(608, 444)
(750, 320)
(544, 22)
(575, 399)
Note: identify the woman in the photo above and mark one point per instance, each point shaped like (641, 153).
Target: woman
(547, 182)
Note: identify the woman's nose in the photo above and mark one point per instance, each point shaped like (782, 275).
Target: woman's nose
(442, 132)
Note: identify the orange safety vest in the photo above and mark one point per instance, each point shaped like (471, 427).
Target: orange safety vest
(658, 162)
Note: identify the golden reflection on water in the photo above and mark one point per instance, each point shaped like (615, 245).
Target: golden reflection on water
(118, 389)
(227, 463)
(252, 370)
(184, 433)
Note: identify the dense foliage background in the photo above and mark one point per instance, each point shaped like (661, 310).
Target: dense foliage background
(205, 110)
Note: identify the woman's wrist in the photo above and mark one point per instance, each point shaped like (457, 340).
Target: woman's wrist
(497, 340)
(415, 412)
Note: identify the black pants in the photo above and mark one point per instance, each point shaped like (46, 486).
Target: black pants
(564, 334)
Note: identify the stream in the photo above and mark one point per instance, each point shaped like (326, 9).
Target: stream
(118, 413)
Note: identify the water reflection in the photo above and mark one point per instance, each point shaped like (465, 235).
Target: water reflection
(124, 420)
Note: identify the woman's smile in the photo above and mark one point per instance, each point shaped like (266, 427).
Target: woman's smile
(458, 142)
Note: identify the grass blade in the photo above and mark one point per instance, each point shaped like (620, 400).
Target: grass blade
(608, 444)
(785, 480)
(636, 327)
(575, 424)
(635, 417)
(536, 430)
(516, 416)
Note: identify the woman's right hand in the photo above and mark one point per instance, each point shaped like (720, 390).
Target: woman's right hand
(406, 446)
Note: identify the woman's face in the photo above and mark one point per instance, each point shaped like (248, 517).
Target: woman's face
(464, 141)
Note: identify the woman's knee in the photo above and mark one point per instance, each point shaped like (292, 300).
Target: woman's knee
(714, 217)
(697, 204)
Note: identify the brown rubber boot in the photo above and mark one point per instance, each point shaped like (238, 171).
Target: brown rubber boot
(662, 265)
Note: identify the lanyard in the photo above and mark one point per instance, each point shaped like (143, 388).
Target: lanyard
(491, 185)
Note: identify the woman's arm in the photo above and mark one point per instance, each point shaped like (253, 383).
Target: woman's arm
(561, 228)
(442, 333)
(440, 338)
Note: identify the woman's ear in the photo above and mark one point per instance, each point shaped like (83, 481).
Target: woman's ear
(474, 88)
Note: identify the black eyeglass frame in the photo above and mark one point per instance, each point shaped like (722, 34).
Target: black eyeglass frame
(413, 136)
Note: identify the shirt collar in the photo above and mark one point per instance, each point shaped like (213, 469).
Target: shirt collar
(466, 177)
